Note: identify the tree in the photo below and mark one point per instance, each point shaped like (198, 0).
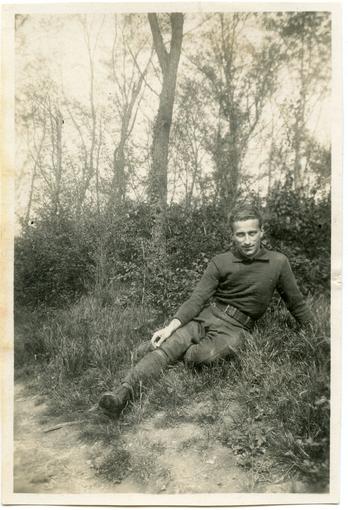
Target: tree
(127, 96)
(42, 119)
(304, 42)
(87, 121)
(169, 62)
(240, 75)
(188, 156)
(35, 150)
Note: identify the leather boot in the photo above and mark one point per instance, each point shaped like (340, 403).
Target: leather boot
(112, 403)
(149, 368)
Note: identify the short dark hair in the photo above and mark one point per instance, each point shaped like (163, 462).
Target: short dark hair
(246, 213)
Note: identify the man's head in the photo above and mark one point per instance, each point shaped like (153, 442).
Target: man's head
(247, 231)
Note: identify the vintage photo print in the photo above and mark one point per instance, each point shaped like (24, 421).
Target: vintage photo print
(170, 253)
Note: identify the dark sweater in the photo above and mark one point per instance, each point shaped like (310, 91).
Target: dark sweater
(247, 285)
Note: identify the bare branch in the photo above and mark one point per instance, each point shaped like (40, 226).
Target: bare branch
(143, 73)
(205, 20)
(113, 61)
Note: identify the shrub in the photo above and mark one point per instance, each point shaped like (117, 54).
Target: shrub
(300, 227)
(56, 262)
(52, 263)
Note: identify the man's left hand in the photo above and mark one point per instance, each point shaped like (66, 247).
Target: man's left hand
(162, 334)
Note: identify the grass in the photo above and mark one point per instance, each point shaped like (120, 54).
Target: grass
(272, 408)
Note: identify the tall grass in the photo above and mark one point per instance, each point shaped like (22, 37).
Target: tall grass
(281, 383)
(85, 348)
(284, 388)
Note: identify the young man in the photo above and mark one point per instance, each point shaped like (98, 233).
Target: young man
(233, 293)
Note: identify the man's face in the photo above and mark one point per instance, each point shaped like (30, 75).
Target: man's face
(247, 236)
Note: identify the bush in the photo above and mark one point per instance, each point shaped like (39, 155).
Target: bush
(56, 262)
(300, 227)
(52, 263)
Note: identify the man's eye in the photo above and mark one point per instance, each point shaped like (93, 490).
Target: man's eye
(252, 234)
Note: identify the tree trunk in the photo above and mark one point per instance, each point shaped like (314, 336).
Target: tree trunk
(169, 62)
(119, 177)
(57, 126)
(300, 120)
(119, 180)
(36, 160)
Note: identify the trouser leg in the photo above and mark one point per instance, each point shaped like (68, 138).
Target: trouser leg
(153, 363)
(215, 346)
(141, 350)
(178, 343)
(149, 368)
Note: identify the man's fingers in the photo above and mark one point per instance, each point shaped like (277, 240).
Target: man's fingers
(154, 340)
(161, 340)
(154, 336)
(159, 337)
(157, 340)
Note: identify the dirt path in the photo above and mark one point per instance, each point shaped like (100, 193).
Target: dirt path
(152, 458)
(56, 461)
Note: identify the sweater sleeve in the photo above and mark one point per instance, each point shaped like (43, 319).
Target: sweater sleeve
(290, 293)
(204, 290)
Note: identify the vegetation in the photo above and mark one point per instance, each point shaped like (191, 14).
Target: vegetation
(281, 384)
(121, 217)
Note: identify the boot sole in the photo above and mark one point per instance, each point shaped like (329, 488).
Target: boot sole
(110, 406)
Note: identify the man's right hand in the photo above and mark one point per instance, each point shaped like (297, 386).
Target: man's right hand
(162, 334)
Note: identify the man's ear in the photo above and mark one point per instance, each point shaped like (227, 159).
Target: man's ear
(262, 232)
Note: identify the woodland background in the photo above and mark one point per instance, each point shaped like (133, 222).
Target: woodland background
(136, 136)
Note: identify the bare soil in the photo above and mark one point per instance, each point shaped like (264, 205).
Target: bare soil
(155, 457)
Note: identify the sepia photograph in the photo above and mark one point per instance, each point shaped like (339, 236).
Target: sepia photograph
(175, 174)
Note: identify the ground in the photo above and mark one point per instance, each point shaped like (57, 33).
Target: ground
(155, 455)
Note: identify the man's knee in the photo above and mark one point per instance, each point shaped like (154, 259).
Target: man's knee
(141, 350)
(206, 355)
(178, 343)
(210, 350)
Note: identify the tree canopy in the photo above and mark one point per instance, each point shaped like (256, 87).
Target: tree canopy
(249, 107)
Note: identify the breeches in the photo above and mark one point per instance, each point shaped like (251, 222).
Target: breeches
(207, 338)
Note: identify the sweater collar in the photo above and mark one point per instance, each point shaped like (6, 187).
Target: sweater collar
(261, 255)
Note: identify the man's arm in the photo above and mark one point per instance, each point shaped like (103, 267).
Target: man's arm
(203, 291)
(290, 293)
(192, 306)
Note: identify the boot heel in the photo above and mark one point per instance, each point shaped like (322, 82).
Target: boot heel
(112, 404)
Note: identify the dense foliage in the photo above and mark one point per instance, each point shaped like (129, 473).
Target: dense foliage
(58, 261)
